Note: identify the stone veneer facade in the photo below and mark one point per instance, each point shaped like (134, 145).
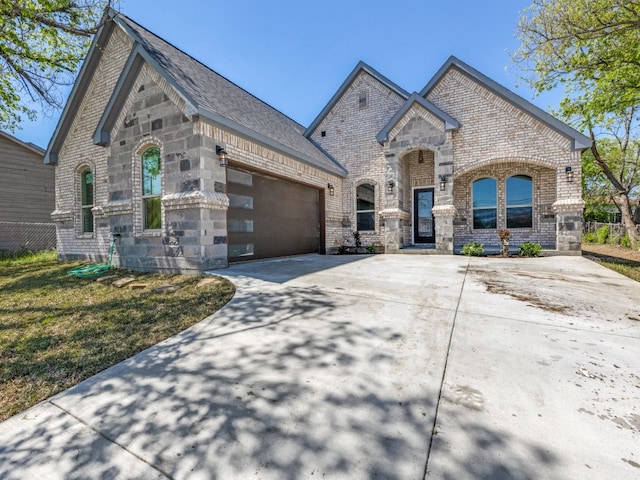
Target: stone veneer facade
(424, 148)
(496, 139)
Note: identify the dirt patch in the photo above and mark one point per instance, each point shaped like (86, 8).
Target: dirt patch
(530, 298)
(612, 253)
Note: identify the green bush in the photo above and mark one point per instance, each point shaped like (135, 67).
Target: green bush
(589, 237)
(602, 234)
(614, 239)
(473, 249)
(625, 241)
(530, 249)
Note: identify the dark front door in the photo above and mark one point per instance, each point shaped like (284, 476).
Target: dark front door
(423, 223)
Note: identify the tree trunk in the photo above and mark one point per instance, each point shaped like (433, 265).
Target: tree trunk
(623, 202)
(636, 215)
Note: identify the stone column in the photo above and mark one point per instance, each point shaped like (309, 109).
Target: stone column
(569, 218)
(444, 215)
(391, 214)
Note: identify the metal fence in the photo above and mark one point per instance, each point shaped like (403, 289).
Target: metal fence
(614, 228)
(16, 236)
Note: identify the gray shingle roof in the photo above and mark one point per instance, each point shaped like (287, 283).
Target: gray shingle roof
(217, 98)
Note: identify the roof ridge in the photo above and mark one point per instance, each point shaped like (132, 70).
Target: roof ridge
(129, 19)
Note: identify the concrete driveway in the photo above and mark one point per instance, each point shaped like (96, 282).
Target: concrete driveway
(390, 366)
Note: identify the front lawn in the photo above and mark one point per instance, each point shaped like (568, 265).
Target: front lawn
(56, 330)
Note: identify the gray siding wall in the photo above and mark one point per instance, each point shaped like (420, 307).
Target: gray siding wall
(27, 191)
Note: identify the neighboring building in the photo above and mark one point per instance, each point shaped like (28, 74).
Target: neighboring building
(27, 196)
(140, 148)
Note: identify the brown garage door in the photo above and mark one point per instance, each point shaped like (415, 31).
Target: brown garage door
(270, 217)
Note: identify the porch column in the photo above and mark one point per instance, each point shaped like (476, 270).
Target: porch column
(569, 218)
(444, 210)
(444, 215)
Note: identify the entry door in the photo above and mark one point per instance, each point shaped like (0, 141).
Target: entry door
(423, 223)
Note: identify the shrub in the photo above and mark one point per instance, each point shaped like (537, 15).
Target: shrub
(625, 241)
(530, 249)
(602, 234)
(372, 248)
(473, 249)
(614, 239)
(589, 237)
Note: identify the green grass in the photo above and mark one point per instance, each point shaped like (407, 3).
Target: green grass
(56, 330)
(629, 270)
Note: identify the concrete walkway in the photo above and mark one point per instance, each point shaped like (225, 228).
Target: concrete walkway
(358, 367)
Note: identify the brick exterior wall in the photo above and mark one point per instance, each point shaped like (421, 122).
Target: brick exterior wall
(496, 139)
(193, 236)
(350, 137)
(78, 151)
(544, 194)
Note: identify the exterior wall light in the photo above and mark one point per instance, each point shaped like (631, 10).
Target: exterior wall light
(332, 190)
(222, 153)
(443, 182)
(390, 186)
(568, 171)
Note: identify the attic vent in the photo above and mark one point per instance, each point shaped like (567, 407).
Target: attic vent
(362, 100)
(323, 133)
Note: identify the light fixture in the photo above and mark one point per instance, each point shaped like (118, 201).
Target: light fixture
(332, 191)
(443, 182)
(222, 153)
(568, 171)
(390, 186)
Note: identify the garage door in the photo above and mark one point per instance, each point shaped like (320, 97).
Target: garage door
(270, 217)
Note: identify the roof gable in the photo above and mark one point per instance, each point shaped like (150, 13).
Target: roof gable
(580, 141)
(78, 91)
(205, 92)
(360, 67)
(449, 122)
(214, 97)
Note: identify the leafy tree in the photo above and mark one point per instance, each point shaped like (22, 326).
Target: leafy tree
(623, 158)
(592, 49)
(42, 43)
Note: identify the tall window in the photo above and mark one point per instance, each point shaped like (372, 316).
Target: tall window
(519, 202)
(86, 200)
(485, 212)
(151, 189)
(366, 207)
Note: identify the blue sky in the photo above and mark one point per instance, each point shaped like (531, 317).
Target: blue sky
(295, 54)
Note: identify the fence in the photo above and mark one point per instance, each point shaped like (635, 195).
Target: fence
(614, 228)
(31, 236)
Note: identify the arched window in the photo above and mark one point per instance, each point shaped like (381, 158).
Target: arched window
(366, 207)
(485, 212)
(519, 202)
(86, 200)
(151, 189)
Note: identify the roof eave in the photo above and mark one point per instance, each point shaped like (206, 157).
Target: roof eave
(79, 88)
(361, 66)
(578, 140)
(29, 146)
